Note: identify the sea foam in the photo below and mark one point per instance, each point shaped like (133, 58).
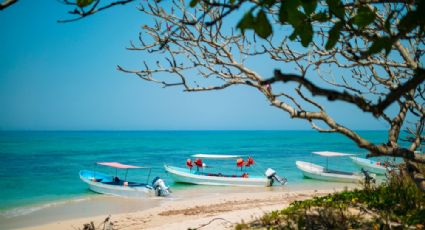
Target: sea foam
(25, 210)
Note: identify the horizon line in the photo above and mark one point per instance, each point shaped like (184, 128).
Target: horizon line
(162, 130)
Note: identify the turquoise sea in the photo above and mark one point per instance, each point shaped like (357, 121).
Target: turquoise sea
(40, 167)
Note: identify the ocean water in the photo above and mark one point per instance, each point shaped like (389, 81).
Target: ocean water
(42, 167)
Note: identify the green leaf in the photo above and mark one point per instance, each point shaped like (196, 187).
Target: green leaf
(193, 3)
(364, 17)
(380, 44)
(336, 8)
(283, 14)
(247, 22)
(293, 36)
(387, 24)
(320, 17)
(262, 25)
(291, 4)
(286, 8)
(408, 22)
(296, 18)
(267, 3)
(334, 35)
(309, 6)
(306, 34)
(84, 3)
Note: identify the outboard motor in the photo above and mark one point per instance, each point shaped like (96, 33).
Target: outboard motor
(160, 188)
(272, 176)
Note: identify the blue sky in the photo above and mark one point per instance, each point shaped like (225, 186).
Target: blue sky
(63, 77)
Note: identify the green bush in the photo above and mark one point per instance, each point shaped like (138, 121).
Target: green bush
(396, 203)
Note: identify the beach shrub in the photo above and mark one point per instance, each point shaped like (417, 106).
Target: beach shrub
(397, 203)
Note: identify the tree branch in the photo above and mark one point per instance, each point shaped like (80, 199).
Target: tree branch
(332, 95)
(199, 57)
(7, 3)
(82, 13)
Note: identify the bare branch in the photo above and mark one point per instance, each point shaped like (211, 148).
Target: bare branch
(333, 95)
(197, 51)
(81, 13)
(6, 3)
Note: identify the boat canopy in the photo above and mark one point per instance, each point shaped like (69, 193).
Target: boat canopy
(215, 156)
(332, 154)
(119, 165)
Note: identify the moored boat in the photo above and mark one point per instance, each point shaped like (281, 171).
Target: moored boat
(370, 165)
(318, 172)
(202, 177)
(112, 185)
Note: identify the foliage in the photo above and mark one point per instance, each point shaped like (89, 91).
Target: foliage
(303, 15)
(396, 202)
(195, 49)
(352, 16)
(241, 226)
(84, 3)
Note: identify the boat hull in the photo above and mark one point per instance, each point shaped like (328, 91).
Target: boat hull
(115, 190)
(318, 172)
(369, 165)
(182, 175)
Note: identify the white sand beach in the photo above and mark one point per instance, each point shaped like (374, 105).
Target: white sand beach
(204, 208)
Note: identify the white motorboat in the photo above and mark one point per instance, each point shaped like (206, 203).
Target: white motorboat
(370, 165)
(202, 176)
(318, 172)
(112, 185)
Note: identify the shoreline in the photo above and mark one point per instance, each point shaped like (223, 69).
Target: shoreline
(186, 208)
